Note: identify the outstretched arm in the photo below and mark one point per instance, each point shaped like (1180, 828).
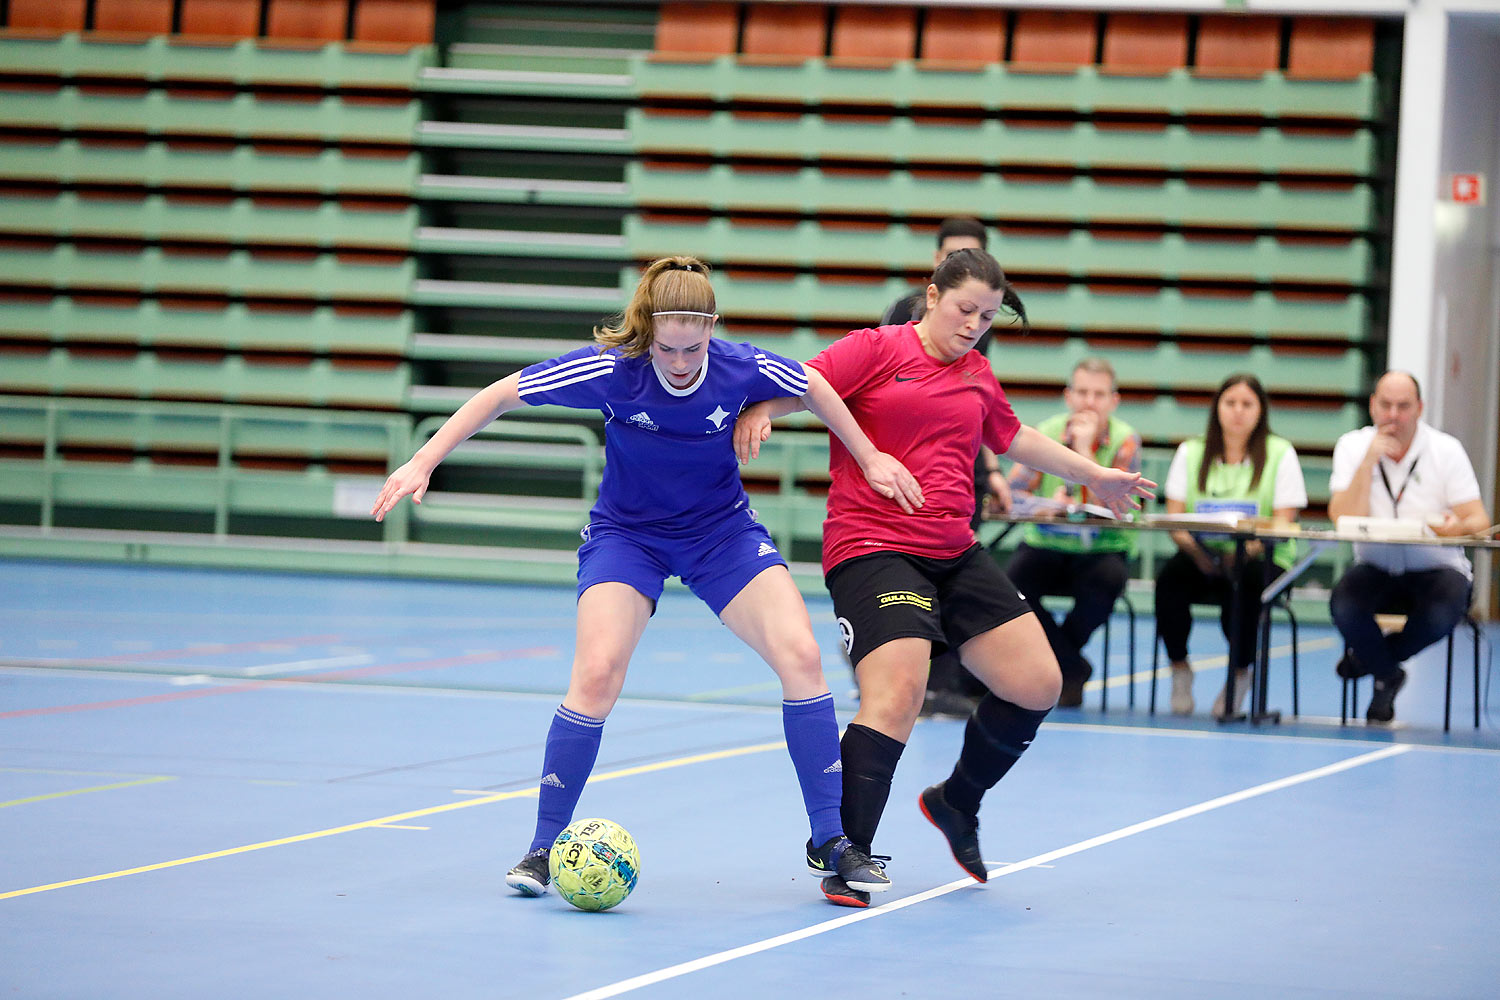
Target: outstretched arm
(1116, 489)
(412, 478)
(885, 474)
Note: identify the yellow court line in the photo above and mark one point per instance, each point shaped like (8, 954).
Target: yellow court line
(84, 791)
(397, 818)
(402, 826)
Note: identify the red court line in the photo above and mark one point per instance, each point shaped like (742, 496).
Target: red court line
(371, 671)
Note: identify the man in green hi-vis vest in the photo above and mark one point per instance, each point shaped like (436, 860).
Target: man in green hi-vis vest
(1087, 564)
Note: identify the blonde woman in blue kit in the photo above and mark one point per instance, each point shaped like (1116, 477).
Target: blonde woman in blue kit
(1238, 466)
(671, 504)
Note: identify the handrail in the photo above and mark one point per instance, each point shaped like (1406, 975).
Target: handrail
(228, 420)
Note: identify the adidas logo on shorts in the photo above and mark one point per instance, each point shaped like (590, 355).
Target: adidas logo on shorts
(766, 549)
(553, 780)
(837, 767)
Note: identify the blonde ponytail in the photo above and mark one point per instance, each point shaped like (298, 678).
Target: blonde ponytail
(671, 284)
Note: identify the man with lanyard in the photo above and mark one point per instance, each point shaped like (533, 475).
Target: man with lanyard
(1085, 563)
(1401, 467)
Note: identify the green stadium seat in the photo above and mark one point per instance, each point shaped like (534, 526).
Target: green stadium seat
(1080, 253)
(1082, 145)
(1077, 308)
(238, 272)
(1079, 199)
(1079, 89)
(225, 326)
(230, 379)
(1173, 367)
(243, 115)
(191, 428)
(234, 168)
(236, 221)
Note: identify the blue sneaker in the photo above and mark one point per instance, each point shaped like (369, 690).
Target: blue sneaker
(856, 867)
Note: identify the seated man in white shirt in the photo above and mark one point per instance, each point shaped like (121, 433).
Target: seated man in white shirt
(1401, 467)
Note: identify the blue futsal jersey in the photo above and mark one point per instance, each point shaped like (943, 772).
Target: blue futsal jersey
(669, 453)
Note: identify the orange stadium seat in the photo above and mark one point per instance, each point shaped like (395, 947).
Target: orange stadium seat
(785, 32)
(1045, 39)
(1234, 45)
(48, 15)
(135, 17)
(1144, 43)
(688, 30)
(1331, 48)
(873, 36)
(964, 37)
(408, 22)
(312, 20)
(221, 18)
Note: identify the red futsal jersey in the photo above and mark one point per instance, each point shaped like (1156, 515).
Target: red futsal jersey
(930, 415)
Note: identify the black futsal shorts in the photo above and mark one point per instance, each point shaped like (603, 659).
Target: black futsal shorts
(892, 595)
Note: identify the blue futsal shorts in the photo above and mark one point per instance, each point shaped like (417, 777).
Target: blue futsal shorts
(715, 564)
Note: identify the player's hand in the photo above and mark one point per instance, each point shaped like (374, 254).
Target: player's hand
(1121, 491)
(751, 429)
(409, 480)
(888, 477)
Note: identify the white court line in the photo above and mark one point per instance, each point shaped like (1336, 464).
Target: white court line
(293, 666)
(708, 961)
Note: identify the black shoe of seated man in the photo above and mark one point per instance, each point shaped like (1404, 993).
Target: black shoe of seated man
(1383, 701)
(960, 829)
(1350, 668)
(1072, 687)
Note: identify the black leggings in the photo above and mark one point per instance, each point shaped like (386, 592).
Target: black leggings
(1181, 584)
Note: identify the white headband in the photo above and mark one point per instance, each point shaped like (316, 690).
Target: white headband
(683, 312)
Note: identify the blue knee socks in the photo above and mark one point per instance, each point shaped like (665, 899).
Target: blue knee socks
(812, 740)
(572, 747)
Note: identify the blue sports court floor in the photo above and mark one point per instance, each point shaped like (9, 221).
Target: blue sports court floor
(255, 785)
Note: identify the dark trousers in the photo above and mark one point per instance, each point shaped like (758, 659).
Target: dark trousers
(1181, 584)
(1434, 602)
(1095, 580)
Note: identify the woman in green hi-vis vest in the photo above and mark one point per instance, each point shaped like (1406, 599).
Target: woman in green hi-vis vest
(1240, 466)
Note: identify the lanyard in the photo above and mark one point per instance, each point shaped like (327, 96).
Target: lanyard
(1397, 495)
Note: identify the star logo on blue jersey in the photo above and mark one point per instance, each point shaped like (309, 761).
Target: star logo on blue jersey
(717, 417)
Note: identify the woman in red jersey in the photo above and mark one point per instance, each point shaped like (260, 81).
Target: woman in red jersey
(905, 588)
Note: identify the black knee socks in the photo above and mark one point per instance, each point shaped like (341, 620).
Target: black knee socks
(998, 732)
(869, 762)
